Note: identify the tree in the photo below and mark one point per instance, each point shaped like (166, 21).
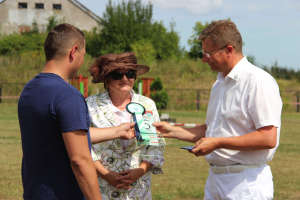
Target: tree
(126, 23)
(144, 51)
(194, 41)
(166, 43)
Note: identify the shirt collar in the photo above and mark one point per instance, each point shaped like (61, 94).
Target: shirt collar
(235, 73)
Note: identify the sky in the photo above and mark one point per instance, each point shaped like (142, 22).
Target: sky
(270, 28)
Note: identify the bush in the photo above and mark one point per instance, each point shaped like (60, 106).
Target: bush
(161, 99)
(17, 44)
(158, 94)
(156, 85)
(33, 40)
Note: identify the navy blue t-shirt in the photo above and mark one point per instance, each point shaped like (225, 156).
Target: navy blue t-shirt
(49, 107)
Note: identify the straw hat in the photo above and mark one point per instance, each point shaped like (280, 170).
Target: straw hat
(111, 62)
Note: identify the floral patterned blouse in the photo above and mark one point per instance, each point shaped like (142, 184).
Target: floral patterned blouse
(115, 157)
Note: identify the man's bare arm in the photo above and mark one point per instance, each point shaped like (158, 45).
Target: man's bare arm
(263, 138)
(124, 131)
(190, 135)
(76, 143)
(198, 132)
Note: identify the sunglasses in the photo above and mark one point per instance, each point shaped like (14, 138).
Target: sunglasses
(115, 75)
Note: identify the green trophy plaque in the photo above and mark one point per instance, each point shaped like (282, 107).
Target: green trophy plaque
(145, 132)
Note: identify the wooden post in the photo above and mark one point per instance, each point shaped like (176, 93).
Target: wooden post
(81, 83)
(198, 100)
(146, 86)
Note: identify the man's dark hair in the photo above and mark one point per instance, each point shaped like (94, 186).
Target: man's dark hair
(223, 32)
(60, 39)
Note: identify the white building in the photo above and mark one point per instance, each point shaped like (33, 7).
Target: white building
(19, 15)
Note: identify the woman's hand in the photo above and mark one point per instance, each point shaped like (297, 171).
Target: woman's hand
(125, 131)
(129, 177)
(113, 178)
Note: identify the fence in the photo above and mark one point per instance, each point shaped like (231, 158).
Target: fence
(10, 92)
(188, 99)
(179, 99)
(197, 99)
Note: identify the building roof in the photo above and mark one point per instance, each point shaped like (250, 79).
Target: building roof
(86, 10)
(81, 7)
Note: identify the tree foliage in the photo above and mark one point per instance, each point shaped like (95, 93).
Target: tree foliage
(277, 71)
(26, 42)
(52, 22)
(30, 41)
(194, 41)
(125, 24)
(145, 51)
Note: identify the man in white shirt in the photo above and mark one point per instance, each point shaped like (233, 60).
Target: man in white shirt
(243, 120)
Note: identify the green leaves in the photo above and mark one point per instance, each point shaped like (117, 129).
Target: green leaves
(16, 43)
(144, 51)
(158, 94)
(194, 41)
(128, 25)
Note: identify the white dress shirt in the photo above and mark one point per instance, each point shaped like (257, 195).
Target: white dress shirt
(247, 99)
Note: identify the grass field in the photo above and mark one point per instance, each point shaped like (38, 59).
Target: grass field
(184, 174)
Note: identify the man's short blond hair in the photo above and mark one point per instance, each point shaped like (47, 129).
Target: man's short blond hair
(222, 33)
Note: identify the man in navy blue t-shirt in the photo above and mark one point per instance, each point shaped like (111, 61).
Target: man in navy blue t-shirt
(54, 123)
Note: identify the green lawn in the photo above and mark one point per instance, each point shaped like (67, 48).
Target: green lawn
(184, 174)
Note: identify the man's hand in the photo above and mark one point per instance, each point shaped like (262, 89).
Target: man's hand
(262, 138)
(167, 130)
(129, 177)
(190, 135)
(125, 131)
(205, 146)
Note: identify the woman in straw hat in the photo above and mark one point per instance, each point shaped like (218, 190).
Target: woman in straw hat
(124, 166)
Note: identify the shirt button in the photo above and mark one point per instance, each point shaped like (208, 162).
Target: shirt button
(110, 160)
(115, 194)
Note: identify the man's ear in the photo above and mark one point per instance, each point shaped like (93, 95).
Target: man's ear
(229, 48)
(72, 53)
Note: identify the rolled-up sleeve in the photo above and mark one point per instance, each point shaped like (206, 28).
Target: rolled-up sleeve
(265, 103)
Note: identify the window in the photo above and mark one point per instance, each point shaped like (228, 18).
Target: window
(39, 6)
(57, 6)
(22, 5)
